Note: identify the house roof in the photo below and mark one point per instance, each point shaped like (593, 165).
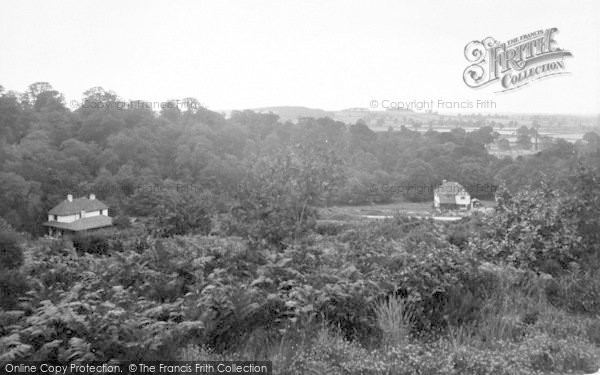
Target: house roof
(76, 206)
(446, 198)
(450, 188)
(86, 223)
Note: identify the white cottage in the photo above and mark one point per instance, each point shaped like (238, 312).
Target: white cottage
(79, 214)
(451, 195)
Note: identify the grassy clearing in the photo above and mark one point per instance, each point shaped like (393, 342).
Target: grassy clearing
(401, 207)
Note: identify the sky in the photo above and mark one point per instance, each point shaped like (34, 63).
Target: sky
(321, 54)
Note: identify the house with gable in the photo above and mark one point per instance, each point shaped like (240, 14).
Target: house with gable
(451, 195)
(76, 215)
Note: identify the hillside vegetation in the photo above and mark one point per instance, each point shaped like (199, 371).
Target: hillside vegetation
(226, 260)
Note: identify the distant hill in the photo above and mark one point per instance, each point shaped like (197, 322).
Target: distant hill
(422, 121)
(293, 112)
(376, 120)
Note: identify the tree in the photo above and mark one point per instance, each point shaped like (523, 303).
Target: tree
(419, 181)
(523, 130)
(183, 211)
(96, 98)
(476, 179)
(581, 209)
(483, 135)
(459, 135)
(99, 125)
(361, 137)
(528, 230)
(170, 111)
(259, 125)
(49, 101)
(503, 144)
(524, 141)
(275, 201)
(592, 139)
(20, 201)
(88, 154)
(33, 91)
(15, 121)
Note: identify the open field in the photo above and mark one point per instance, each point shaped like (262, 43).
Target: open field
(420, 209)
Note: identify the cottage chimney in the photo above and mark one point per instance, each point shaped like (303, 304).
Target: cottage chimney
(92, 197)
(70, 197)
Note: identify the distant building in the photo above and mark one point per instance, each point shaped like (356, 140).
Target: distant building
(451, 196)
(79, 214)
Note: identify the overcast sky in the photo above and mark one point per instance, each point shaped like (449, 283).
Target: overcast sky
(324, 54)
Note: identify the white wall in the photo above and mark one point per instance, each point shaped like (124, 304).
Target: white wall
(92, 213)
(72, 218)
(67, 219)
(463, 199)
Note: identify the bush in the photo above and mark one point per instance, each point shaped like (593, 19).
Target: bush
(546, 354)
(183, 213)
(12, 286)
(92, 243)
(122, 222)
(330, 227)
(577, 291)
(233, 300)
(459, 238)
(560, 324)
(5, 226)
(60, 245)
(529, 230)
(11, 254)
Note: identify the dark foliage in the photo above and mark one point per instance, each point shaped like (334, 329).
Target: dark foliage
(91, 242)
(11, 253)
(12, 286)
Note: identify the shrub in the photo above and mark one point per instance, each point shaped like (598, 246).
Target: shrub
(90, 242)
(464, 301)
(12, 286)
(11, 254)
(548, 354)
(577, 291)
(5, 226)
(275, 204)
(60, 245)
(330, 227)
(460, 238)
(122, 222)
(529, 230)
(183, 213)
(560, 324)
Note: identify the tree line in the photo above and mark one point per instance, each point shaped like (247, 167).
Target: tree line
(163, 164)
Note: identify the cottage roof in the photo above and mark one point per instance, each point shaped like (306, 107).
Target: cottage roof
(446, 198)
(450, 188)
(77, 205)
(86, 223)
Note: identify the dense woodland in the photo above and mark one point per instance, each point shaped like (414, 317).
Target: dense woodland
(130, 157)
(226, 258)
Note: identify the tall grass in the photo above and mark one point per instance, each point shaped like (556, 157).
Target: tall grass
(394, 316)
